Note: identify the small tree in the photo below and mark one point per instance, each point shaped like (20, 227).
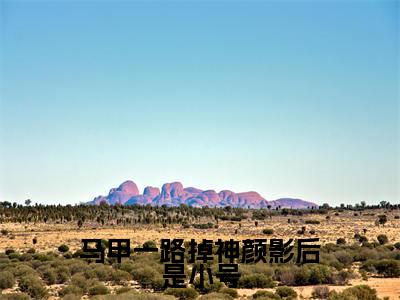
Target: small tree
(63, 248)
(382, 219)
(80, 223)
(382, 239)
(268, 231)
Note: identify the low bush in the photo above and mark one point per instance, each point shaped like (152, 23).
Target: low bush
(33, 286)
(63, 248)
(148, 277)
(359, 292)
(384, 267)
(100, 272)
(70, 289)
(229, 291)
(268, 231)
(49, 276)
(204, 226)
(207, 287)
(7, 280)
(23, 270)
(256, 281)
(320, 292)
(316, 222)
(344, 257)
(286, 292)
(149, 244)
(63, 274)
(98, 289)
(71, 297)
(15, 296)
(382, 239)
(123, 290)
(215, 296)
(182, 294)
(80, 281)
(120, 276)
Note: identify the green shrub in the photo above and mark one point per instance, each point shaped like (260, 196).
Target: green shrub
(63, 274)
(71, 297)
(215, 296)
(33, 286)
(148, 277)
(14, 255)
(382, 239)
(7, 280)
(70, 289)
(63, 248)
(182, 294)
(385, 267)
(344, 257)
(397, 245)
(268, 231)
(80, 281)
(286, 292)
(256, 281)
(124, 289)
(120, 276)
(382, 219)
(320, 292)
(204, 226)
(364, 275)
(25, 257)
(359, 292)
(77, 266)
(208, 288)
(101, 272)
(14, 296)
(23, 270)
(316, 222)
(50, 276)
(99, 289)
(229, 291)
(149, 244)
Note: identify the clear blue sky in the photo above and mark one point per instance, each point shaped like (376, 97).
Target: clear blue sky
(290, 99)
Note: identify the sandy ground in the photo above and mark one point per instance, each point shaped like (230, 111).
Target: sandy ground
(385, 287)
(50, 236)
